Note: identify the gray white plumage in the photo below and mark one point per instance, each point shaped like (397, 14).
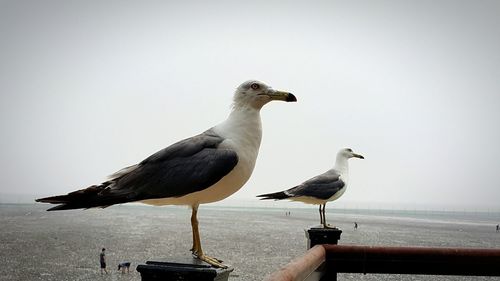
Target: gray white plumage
(202, 169)
(323, 188)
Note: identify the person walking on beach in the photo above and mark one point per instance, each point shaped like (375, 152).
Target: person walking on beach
(498, 228)
(102, 260)
(355, 225)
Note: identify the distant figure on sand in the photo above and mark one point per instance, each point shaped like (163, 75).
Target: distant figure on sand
(355, 225)
(124, 265)
(102, 260)
(498, 228)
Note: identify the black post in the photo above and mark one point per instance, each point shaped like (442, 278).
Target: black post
(185, 271)
(318, 235)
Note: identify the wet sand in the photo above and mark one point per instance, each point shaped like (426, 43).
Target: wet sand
(40, 245)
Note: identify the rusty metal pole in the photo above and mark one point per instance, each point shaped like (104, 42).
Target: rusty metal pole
(413, 260)
(300, 268)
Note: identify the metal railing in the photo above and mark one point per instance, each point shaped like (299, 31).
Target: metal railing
(323, 262)
(302, 268)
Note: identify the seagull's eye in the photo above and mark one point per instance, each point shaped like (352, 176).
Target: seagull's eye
(255, 86)
(350, 150)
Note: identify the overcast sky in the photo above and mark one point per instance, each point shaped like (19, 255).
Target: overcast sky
(89, 87)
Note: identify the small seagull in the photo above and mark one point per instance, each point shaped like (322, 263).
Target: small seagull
(202, 169)
(323, 188)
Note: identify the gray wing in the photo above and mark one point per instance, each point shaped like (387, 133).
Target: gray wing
(323, 186)
(187, 166)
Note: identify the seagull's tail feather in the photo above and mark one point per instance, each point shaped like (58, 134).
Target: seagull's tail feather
(95, 196)
(276, 196)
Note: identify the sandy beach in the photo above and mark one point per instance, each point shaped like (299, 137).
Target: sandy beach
(40, 245)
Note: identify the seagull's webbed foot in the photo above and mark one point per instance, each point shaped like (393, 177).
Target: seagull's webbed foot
(329, 226)
(210, 260)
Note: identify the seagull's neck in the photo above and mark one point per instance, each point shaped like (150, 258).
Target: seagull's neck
(341, 164)
(243, 126)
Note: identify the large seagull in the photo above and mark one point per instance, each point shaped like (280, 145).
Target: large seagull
(202, 169)
(320, 189)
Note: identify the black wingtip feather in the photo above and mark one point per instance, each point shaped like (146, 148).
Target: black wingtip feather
(53, 199)
(276, 196)
(92, 197)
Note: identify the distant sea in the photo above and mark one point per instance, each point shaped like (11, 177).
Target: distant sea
(65, 245)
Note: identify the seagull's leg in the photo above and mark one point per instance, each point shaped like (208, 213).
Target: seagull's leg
(194, 222)
(197, 251)
(320, 215)
(324, 216)
(325, 225)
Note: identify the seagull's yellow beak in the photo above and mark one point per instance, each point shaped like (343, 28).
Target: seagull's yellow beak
(358, 156)
(280, 95)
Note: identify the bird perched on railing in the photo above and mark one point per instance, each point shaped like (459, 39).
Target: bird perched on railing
(320, 189)
(202, 169)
